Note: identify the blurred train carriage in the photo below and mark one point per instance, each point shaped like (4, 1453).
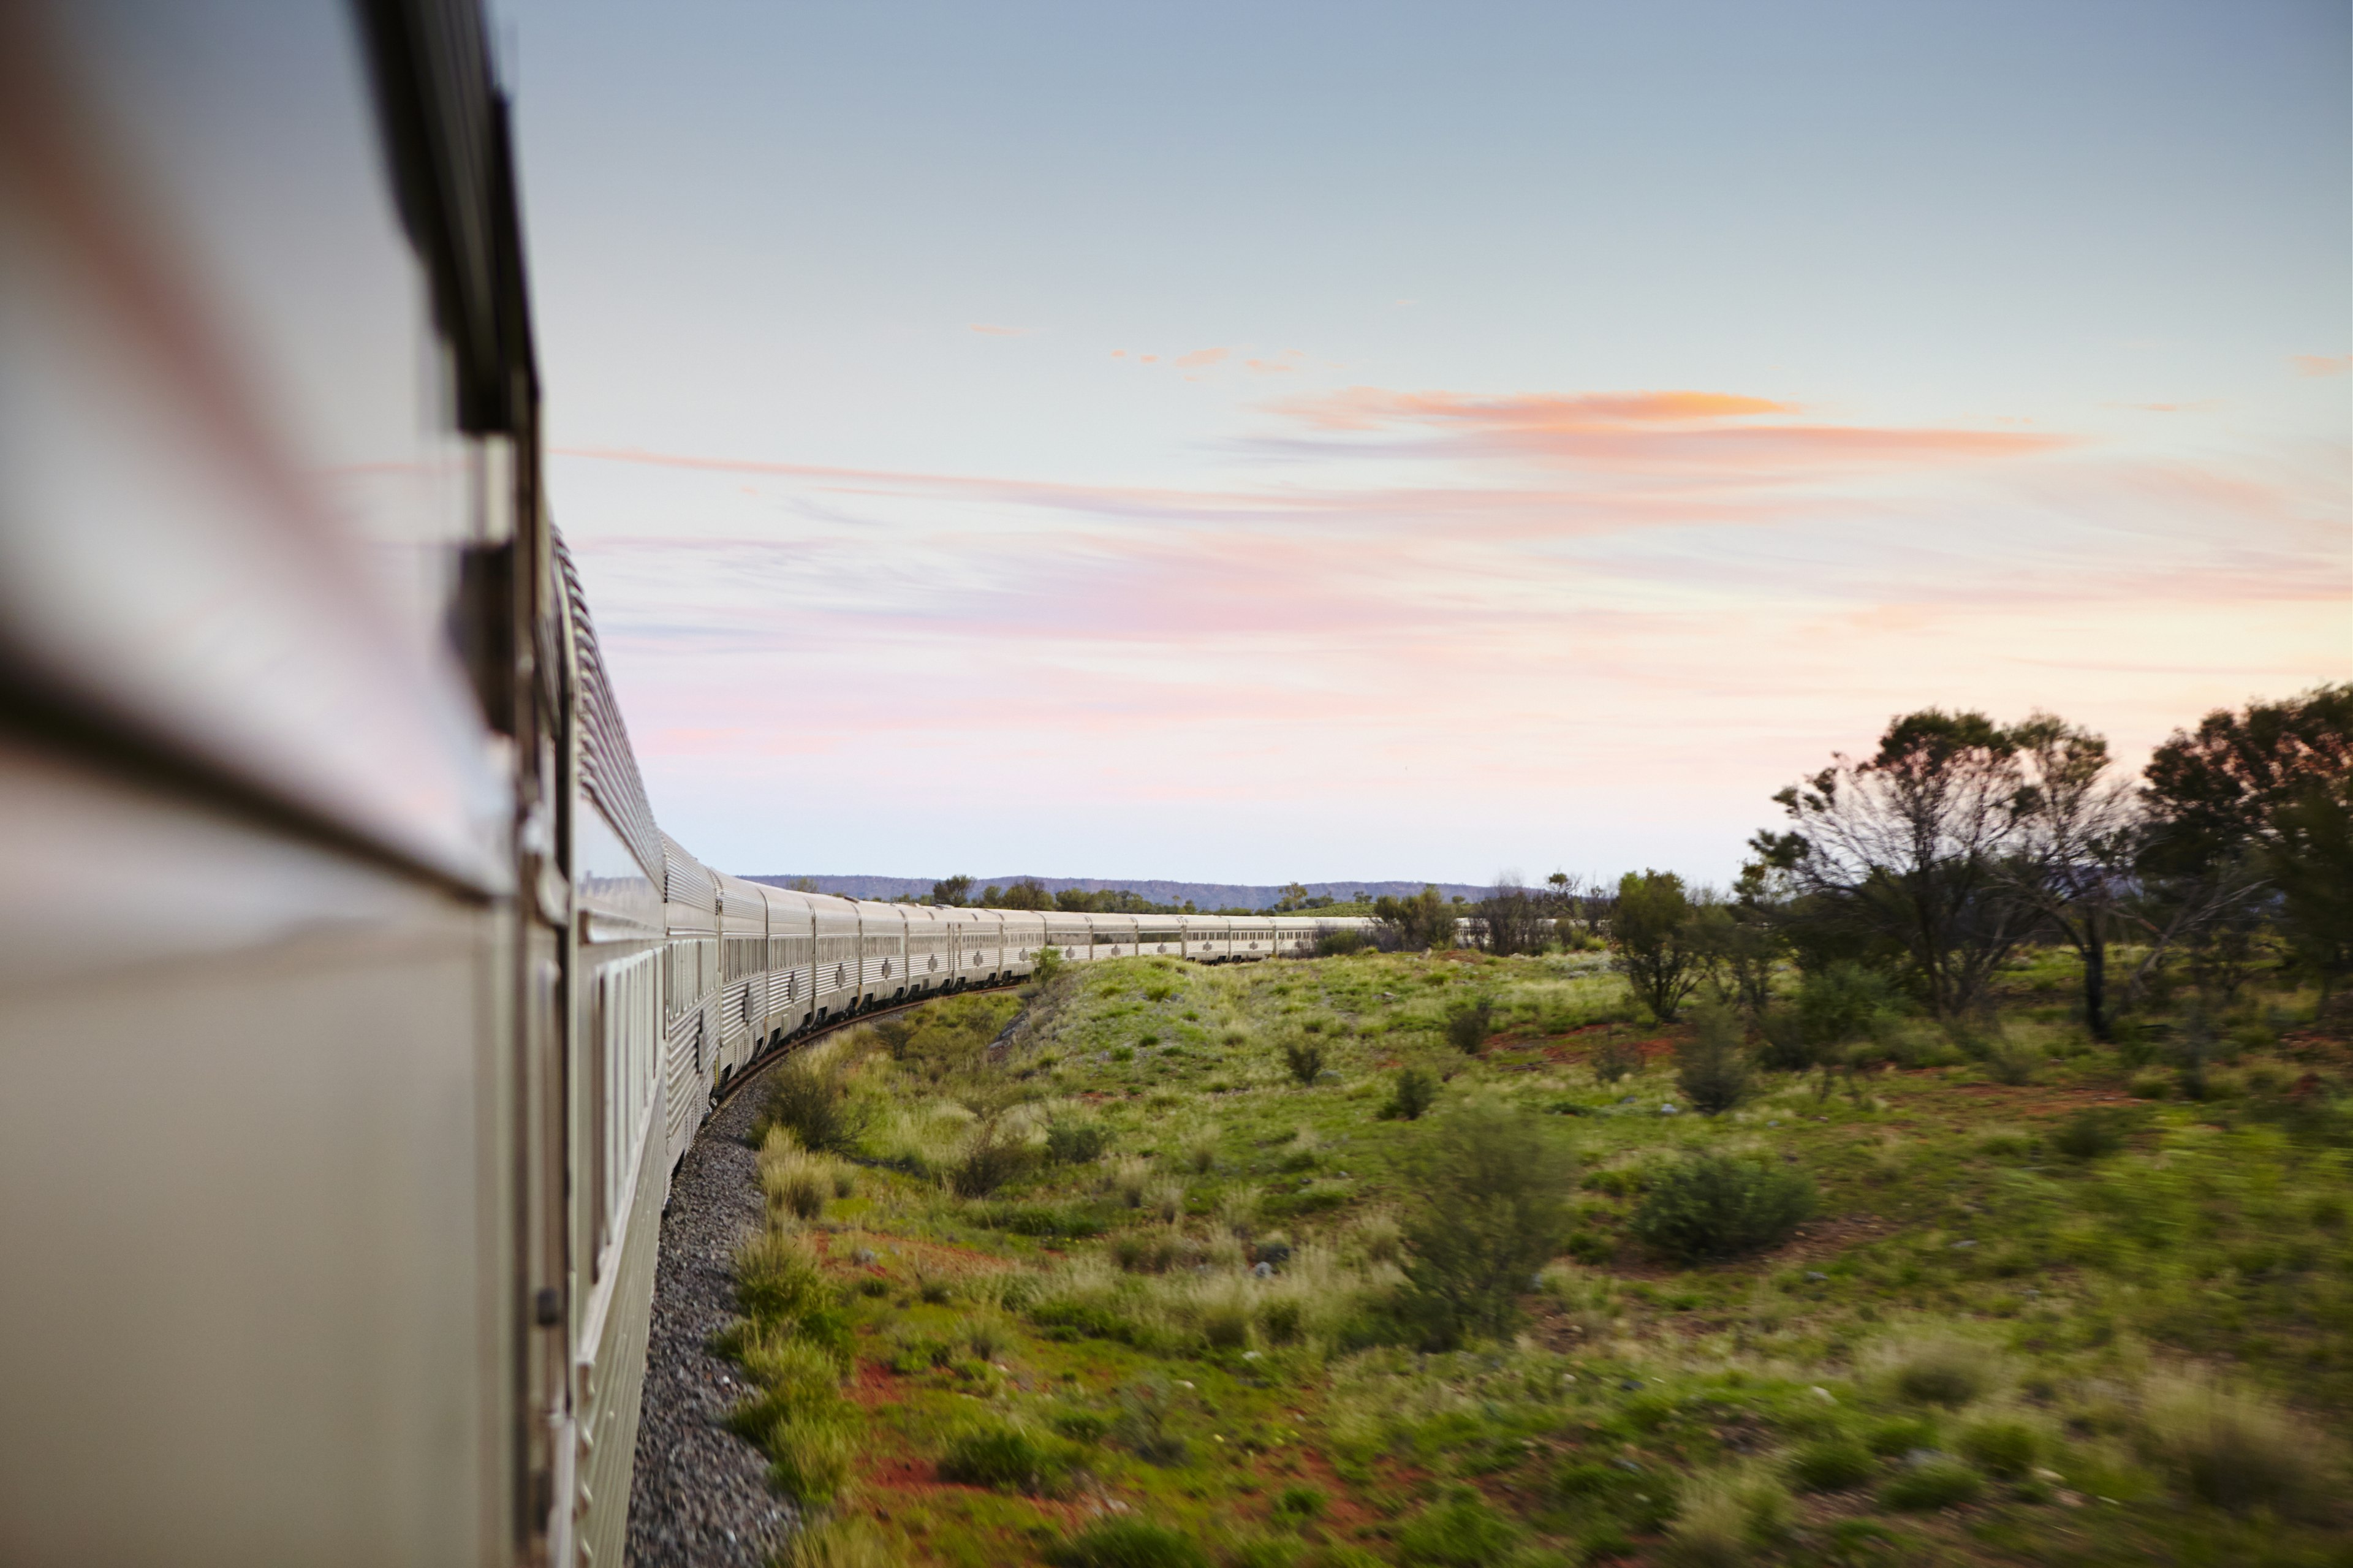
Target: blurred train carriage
(354, 1010)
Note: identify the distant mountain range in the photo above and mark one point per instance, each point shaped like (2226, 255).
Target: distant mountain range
(1204, 895)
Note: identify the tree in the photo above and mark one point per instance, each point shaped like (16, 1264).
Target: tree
(1510, 920)
(2312, 864)
(1423, 921)
(1909, 845)
(1293, 896)
(2079, 830)
(1489, 1191)
(2251, 801)
(953, 891)
(1653, 940)
(1026, 894)
(1739, 941)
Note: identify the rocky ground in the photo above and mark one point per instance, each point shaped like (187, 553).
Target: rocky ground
(701, 1495)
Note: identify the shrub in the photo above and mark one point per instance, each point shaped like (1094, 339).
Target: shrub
(1713, 1205)
(1831, 1465)
(1010, 1459)
(1201, 1155)
(813, 1106)
(1128, 1543)
(2233, 1450)
(1304, 1057)
(812, 1460)
(1079, 1426)
(1070, 1142)
(1711, 1068)
(1900, 1436)
(1226, 1324)
(1937, 1483)
(2004, 1448)
(1491, 1186)
(1300, 1502)
(1613, 1058)
(1147, 1252)
(1782, 1043)
(1339, 941)
(1468, 1023)
(1714, 1529)
(990, 1161)
(778, 1279)
(1415, 1093)
(841, 1542)
(1950, 1373)
(798, 1183)
(1461, 1533)
(1142, 1427)
(2090, 1134)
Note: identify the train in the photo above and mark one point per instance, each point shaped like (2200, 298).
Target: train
(354, 1010)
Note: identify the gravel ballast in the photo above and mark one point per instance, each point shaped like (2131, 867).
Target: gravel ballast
(701, 1495)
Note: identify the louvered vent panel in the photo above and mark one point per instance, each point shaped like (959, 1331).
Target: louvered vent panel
(608, 766)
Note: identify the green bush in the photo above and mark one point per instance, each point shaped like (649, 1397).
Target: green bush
(813, 1106)
(1713, 1205)
(1950, 1373)
(989, 1163)
(1490, 1188)
(1300, 1502)
(1900, 1436)
(1010, 1459)
(812, 1460)
(1613, 1058)
(1128, 1543)
(1305, 1059)
(1415, 1093)
(1935, 1484)
(2090, 1134)
(1710, 1067)
(1461, 1533)
(1831, 1465)
(1073, 1143)
(2004, 1448)
(2238, 1451)
(1469, 1023)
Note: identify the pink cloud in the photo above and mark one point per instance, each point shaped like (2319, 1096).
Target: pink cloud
(1696, 433)
(1201, 357)
(987, 331)
(2321, 364)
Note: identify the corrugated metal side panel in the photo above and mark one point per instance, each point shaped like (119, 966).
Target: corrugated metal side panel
(684, 880)
(682, 1095)
(608, 1437)
(608, 766)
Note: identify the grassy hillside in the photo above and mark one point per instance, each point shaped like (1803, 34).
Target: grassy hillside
(1151, 1266)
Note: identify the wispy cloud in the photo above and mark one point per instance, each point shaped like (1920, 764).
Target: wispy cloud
(1695, 431)
(989, 330)
(2321, 364)
(1199, 358)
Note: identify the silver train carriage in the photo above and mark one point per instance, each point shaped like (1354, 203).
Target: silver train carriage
(354, 1011)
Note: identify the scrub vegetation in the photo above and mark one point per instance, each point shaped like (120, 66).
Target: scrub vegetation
(1968, 1184)
(1275, 1265)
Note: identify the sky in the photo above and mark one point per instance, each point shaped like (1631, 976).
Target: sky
(1269, 441)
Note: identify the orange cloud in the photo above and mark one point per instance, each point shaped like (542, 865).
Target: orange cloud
(2321, 364)
(1371, 408)
(987, 331)
(1269, 366)
(1201, 357)
(1695, 432)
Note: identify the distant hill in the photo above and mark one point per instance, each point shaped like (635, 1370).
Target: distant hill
(1204, 895)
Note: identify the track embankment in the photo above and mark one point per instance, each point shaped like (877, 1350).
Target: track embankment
(700, 1496)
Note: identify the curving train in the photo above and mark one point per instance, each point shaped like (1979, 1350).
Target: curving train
(354, 1010)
